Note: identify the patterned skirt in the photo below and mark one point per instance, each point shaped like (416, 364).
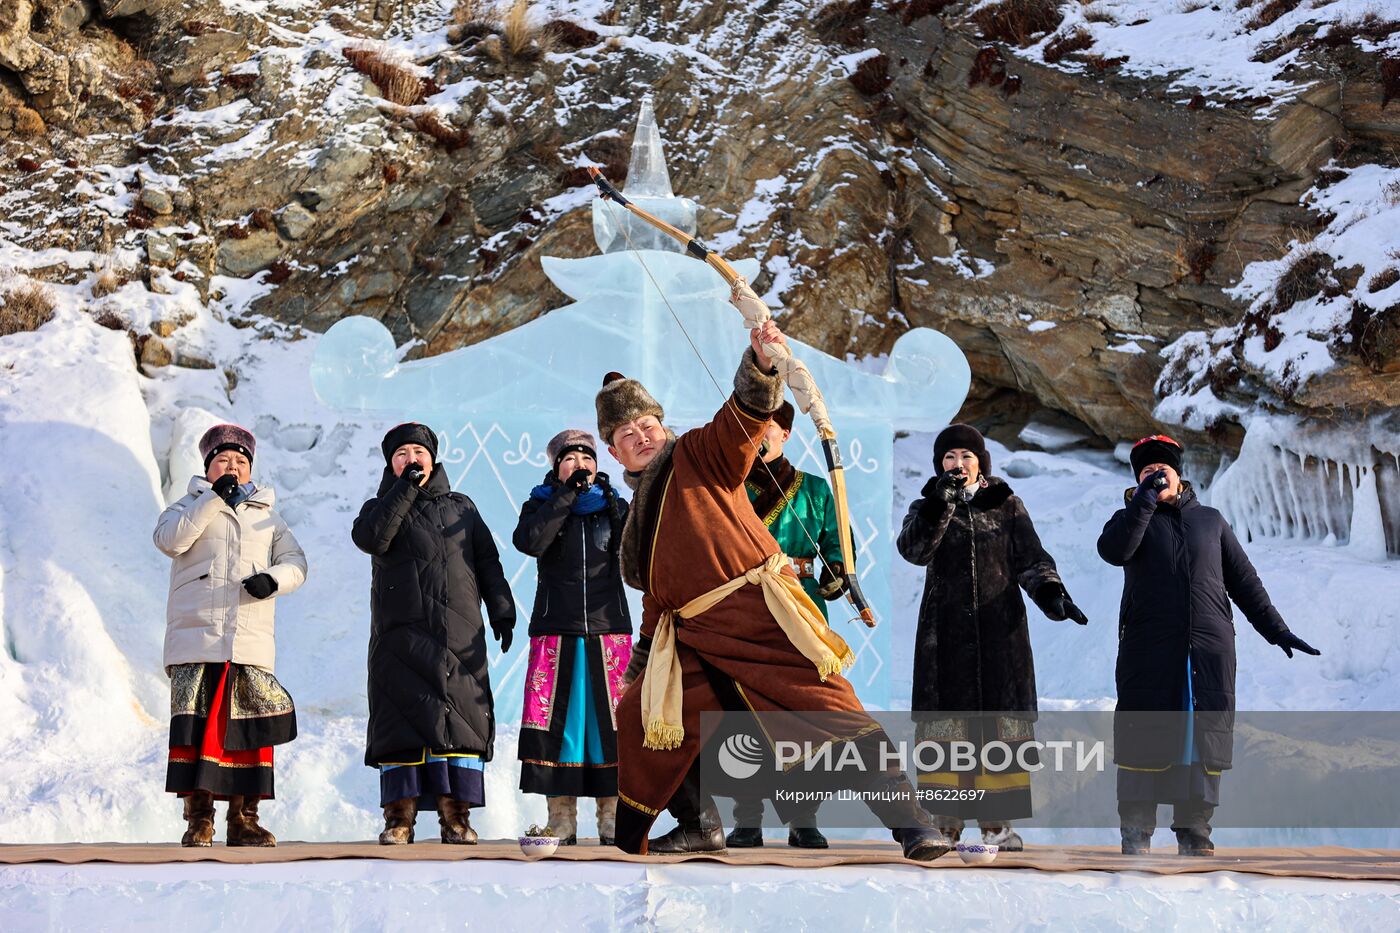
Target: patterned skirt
(981, 794)
(224, 720)
(568, 737)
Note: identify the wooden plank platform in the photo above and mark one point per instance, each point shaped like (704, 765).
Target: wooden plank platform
(1325, 862)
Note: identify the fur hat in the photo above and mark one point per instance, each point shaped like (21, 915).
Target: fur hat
(410, 432)
(223, 437)
(784, 415)
(1156, 449)
(622, 400)
(966, 437)
(569, 440)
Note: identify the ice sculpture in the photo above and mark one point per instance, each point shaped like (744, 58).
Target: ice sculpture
(649, 185)
(495, 404)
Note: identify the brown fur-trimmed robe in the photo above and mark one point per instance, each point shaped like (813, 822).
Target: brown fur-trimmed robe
(690, 529)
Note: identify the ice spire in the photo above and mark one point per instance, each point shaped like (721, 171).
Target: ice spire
(648, 183)
(647, 175)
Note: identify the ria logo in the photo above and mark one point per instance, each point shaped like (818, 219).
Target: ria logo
(740, 756)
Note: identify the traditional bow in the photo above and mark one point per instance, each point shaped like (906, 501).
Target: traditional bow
(794, 372)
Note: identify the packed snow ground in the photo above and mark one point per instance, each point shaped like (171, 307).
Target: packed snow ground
(430, 896)
(83, 698)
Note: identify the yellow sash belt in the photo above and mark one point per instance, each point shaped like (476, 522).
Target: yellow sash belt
(795, 613)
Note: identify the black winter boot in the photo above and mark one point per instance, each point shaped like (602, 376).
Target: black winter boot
(748, 824)
(701, 834)
(806, 837)
(1193, 842)
(745, 837)
(1137, 819)
(1191, 823)
(892, 801)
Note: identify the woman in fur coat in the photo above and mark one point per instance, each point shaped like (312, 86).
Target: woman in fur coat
(973, 648)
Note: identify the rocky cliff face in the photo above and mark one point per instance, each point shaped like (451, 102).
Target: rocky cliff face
(892, 165)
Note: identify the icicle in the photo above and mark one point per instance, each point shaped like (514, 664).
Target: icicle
(1367, 523)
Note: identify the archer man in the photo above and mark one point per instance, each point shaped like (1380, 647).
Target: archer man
(726, 623)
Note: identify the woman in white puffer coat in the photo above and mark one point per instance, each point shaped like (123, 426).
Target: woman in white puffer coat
(232, 555)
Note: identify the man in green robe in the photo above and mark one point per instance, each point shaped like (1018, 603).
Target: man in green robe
(800, 512)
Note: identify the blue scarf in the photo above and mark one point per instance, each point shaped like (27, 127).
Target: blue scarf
(594, 500)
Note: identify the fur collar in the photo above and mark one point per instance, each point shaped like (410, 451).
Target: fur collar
(641, 518)
(993, 494)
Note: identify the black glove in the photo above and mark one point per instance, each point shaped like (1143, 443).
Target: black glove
(578, 480)
(260, 585)
(225, 486)
(1054, 601)
(1288, 641)
(413, 473)
(505, 634)
(949, 484)
(1151, 487)
(832, 582)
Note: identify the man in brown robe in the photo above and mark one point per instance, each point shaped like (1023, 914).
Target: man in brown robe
(692, 530)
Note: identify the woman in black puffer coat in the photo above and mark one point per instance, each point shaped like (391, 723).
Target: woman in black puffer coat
(973, 650)
(1182, 566)
(580, 637)
(431, 718)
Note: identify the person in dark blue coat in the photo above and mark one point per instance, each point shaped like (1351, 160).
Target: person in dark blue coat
(1182, 567)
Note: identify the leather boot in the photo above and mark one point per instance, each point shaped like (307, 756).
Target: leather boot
(1002, 836)
(454, 822)
(607, 821)
(563, 818)
(745, 837)
(704, 833)
(748, 824)
(893, 802)
(199, 813)
(803, 832)
(806, 837)
(243, 828)
(399, 816)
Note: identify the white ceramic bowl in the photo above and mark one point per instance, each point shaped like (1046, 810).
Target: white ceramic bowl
(536, 847)
(976, 853)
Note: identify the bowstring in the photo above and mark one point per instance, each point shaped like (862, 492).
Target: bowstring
(728, 405)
